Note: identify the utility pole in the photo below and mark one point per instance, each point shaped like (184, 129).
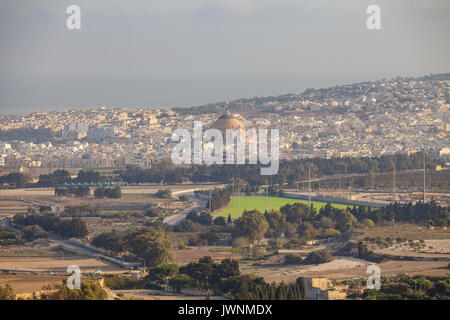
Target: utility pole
(309, 186)
(424, 177)
(393, 180)
(340, 183)
(267, 198)
(371, 186)
(210, 201)
(232, 194)
(239, 194)
(239, 204)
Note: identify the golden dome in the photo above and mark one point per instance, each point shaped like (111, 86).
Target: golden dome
(227, 121)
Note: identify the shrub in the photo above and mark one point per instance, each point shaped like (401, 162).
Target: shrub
(318, 257)
(164, 193)
(292, 259)
(220, 221)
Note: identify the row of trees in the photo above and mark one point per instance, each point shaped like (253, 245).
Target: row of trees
(15, 180)
(247, 287)
(57, 178)
(61, 177)
(290, 170)
(114, 193)
(40, 225)
(423, 213)
(80, 191)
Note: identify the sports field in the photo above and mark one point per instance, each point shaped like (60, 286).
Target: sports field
(259, 203)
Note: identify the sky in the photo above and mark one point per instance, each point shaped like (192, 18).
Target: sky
(164, 53)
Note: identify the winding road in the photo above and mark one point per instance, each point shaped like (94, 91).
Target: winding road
(198, 204)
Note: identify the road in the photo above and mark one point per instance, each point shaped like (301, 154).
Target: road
(197, 205)
(92, 252)
(6, 223)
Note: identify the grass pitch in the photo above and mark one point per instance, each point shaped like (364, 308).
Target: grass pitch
(259, 203)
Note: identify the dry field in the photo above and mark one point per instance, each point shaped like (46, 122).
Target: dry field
(28, 283)
(343, 268)
(11, 207)
(14, 201)
(192, 254)
(141, 294)
(389, 268)
(43, 192)
(432, 249)
(289, 273)
(54, 263)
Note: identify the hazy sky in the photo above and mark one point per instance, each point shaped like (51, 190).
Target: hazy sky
(143, 53)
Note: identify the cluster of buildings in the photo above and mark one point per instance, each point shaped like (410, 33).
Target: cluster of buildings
(402, 115)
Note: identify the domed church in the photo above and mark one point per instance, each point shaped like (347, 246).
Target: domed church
(227, 121)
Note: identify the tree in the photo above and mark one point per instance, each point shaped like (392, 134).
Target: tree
(89, 176)
(33, 232)
(180, 281)
(219, 198)
(16, 179)
(7, 293)
(50, 222)
(154, 212)
(344, 220)
(220, 221)
(89, 291)
(275, 219)
(203, 217)
(292, 259)
(252, 225)
(150, 244)
(57, 178)
(228, 268)
(296, 212)
(164, 193)
(116, 193)
(199, 271)
(318, 257)
(161, 273)
(184, 198)
(112, 241)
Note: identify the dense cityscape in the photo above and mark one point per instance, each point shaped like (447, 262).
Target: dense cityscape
(402, 115)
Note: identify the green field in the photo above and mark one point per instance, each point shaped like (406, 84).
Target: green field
(259, 203)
